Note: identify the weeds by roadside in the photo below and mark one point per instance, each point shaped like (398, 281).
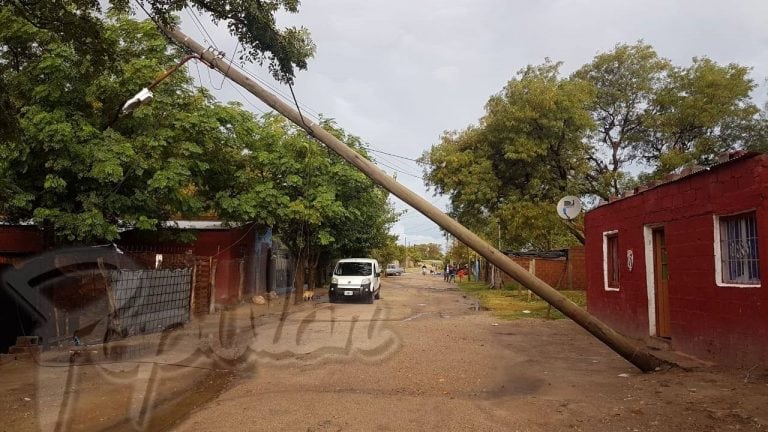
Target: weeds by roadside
(510, 303)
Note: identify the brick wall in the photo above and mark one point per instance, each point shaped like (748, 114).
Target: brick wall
(560, 273)
(202, 288)
(20, 239)
(728, 324)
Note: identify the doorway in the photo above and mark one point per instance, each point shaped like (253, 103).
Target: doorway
(661, 283)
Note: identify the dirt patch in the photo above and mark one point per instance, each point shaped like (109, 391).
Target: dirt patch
(465, 370)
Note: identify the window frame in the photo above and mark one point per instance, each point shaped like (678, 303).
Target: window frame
(607, 236)
(718, 249)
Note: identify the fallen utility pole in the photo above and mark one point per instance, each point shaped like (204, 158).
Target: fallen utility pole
(635, 354)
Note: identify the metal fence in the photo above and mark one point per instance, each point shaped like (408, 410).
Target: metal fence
(148, 301)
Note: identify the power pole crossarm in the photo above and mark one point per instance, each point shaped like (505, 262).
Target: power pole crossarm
(639, 356)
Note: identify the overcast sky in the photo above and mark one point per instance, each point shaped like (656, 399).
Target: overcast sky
(399, 73)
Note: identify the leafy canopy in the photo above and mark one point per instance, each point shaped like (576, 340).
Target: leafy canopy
(526, 152)
(63, 165)
(252, 22)
(544, 136)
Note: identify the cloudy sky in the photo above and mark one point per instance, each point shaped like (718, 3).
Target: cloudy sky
(399, 73)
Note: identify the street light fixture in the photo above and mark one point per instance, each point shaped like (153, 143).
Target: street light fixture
(146, 94)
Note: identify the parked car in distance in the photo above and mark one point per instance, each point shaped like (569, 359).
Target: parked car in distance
(355, 279)
(394, 270)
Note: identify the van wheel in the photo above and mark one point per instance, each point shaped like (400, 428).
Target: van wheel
(378, 294)
(369, 298)
(331, 298)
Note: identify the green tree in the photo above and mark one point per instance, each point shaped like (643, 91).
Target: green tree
(648, 111)
(425, 251)
(700, 111)
(625, 83)
(64, 167)
(527, 151)
(329, 208)
(80, 24)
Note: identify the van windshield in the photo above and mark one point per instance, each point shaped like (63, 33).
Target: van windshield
(353, 269)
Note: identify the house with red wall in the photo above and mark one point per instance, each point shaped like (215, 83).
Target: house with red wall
(238, 256)
(18, 241)
(682, 261)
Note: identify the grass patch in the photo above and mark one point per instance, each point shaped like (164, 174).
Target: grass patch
(510, 303)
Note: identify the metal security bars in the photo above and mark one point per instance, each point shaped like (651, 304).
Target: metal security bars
(740, 259)
(148, 301)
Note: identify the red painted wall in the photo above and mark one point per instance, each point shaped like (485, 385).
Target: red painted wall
(227, 247)
(727, 324)
(561, 274)
(16, 239)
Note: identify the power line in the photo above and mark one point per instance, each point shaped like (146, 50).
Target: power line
(204, 30)
(301, 116)
(237, 89)
(311, 113)
(390, 154)
(200, 26)
(307, 109)
(394, 164)
(400, 171)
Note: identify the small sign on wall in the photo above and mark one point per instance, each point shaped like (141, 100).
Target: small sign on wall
(630, 259)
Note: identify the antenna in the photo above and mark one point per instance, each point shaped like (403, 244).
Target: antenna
(569, 207)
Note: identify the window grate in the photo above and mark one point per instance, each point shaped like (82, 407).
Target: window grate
(613, 260)
(740, 259)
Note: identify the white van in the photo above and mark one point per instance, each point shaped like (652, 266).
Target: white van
(355, 278)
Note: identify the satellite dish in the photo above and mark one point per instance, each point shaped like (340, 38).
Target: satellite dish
(569, 207)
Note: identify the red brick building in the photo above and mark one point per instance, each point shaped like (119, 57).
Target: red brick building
(681, 260)
(237, 257)
(18, 241)
(562, 269)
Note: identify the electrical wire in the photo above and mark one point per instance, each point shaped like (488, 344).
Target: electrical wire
(235, 242)
(309, 111)
(391, 154)
(399, 171)
(200, 26)
(245, 98)
(224, 75)
(204, 30)
(309, 131)
(396, 164)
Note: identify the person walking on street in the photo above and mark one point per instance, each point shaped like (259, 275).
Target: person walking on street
(451, 274)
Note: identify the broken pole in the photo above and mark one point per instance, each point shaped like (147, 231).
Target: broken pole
(639, 356)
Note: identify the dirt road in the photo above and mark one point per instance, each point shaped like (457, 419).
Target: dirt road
(421, 358)
(427, 360)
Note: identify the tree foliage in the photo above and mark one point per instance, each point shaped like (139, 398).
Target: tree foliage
(65, 167)
(80, 23)
(527, 151)
(327, 208)
(625, 81)
(652, 113)
(544, 136)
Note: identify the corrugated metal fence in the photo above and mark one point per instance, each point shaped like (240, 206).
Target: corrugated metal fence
(148, 301)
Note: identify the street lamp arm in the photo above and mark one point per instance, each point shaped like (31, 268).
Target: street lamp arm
(176, 67)
(146, 94)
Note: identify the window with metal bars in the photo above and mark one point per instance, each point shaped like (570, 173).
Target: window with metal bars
(612, 260)
(739, 256)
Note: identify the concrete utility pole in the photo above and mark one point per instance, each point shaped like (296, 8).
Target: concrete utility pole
(635, 354)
